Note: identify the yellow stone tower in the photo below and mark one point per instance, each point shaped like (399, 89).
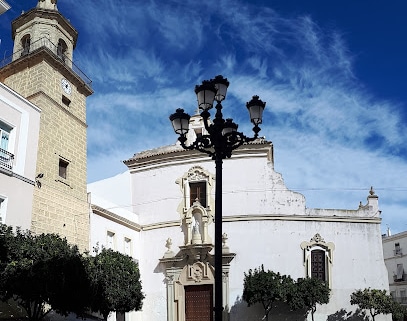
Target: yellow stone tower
(41, 70)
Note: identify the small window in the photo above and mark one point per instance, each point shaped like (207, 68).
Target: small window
(198, 132)
(120, 316)
(397, 249)
(110, 240)
(63, 168)
(4, 136)
(61, 50)
(6, 158)
(127, 246)
(26, 43)
(65, 100)
(403, 293)
(2, 210)
(400, 272)
(198, 192)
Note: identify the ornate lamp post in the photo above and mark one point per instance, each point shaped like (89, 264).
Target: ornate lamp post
(221, 139)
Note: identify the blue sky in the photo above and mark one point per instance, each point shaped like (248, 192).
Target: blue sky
(332, 74)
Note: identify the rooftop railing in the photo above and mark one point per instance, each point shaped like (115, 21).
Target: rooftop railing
(40, 44)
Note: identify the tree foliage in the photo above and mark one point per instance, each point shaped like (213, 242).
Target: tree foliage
(43, 273)
(39, 271)
(377, 302)
(115, 283)
(308, 293)
(266, 287)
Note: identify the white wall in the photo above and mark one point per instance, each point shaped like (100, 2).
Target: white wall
(265, 223)
(17, 185)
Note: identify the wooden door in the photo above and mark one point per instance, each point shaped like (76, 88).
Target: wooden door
(318, 265)
(199, 303)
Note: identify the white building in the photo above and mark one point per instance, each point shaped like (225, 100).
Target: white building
(164, 207)
(19, 132)
(395, 258)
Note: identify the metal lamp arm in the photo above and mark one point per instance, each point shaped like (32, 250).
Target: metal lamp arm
(200, 144)
(205, 115)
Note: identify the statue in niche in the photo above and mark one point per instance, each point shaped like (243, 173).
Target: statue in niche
(195, 229)
(195, 225)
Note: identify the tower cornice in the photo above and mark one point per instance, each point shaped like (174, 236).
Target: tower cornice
(44, 54)
(45, 14)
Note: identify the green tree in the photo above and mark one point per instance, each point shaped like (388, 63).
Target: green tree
(377, 302)
(308, 293)
(40, 272)
(266, 287)
(115, 283)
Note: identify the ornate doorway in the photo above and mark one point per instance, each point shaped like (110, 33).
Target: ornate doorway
(199, 302)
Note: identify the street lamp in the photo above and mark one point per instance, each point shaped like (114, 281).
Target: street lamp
(220, 140)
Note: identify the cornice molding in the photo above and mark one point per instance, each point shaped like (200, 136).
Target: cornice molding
(46, 14)
(44, 54)
(392, 238)
(116, 218)
(10, 173)
(176, 155)
(236, 218)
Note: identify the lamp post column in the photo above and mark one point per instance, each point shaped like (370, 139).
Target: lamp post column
(218, 239)
(220, 140)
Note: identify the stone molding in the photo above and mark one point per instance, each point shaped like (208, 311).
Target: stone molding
(317, 242)
(116, 218)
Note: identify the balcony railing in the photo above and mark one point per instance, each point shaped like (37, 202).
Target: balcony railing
(397, 252)
(57, 51)
(399, 278)
(6, 159)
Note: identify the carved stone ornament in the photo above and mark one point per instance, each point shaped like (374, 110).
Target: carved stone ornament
(169, 253)
(193, 175)
(225, 247)
(196, 273)
(168, 244)
(318, 243)
(196, 173)
(317, 239)
(169, 278)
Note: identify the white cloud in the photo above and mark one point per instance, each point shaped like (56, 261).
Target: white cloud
(333, 138)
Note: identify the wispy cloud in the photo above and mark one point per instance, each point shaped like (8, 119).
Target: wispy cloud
(333, 137)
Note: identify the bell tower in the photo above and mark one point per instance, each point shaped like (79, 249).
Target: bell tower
(41, 69)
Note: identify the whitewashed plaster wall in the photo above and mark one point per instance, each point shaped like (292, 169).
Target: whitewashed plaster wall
(277, 245)
(357, 264)
(18, 184)
(250, 186)
(265, 222)
(116, 189)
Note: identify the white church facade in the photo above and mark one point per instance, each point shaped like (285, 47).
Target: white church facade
(161, 211)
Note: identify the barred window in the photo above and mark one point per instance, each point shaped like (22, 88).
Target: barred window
(198, 192)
